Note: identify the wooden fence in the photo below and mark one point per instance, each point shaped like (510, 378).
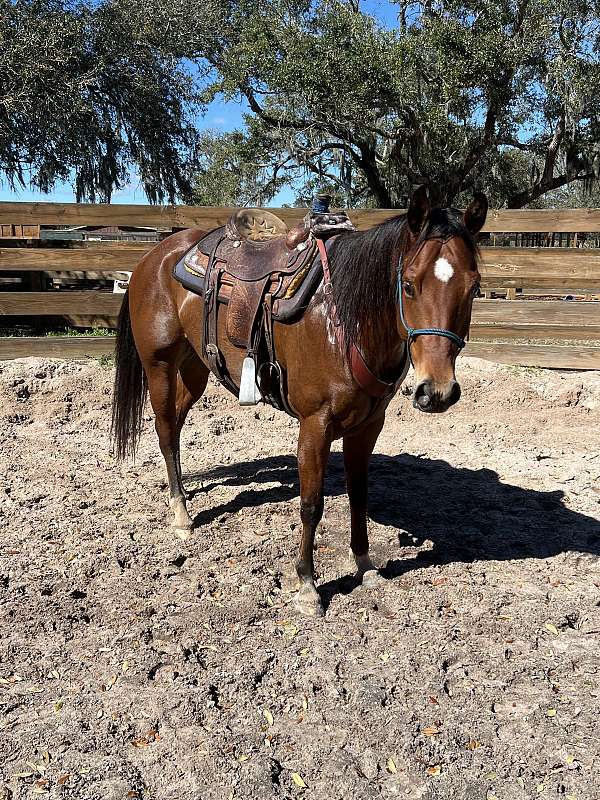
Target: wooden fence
(541, 332)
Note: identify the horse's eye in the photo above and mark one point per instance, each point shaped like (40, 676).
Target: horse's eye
(408, 288)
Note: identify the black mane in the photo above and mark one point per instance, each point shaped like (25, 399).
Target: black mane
(364, 283)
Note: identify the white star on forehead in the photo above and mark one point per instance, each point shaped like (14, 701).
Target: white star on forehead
(443, 270)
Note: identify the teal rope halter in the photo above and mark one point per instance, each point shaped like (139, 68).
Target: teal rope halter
(414, 332)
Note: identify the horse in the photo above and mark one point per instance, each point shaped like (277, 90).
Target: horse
(403, 287)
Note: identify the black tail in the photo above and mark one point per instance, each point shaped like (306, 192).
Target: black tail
(130, 389)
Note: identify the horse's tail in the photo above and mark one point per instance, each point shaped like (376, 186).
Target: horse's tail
(129, 390)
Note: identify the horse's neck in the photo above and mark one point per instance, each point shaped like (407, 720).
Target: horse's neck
(381, 344)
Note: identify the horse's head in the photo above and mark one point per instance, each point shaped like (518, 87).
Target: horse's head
(438, 279)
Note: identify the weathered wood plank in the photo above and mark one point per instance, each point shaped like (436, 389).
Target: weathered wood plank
(553, 356)
(161, 217)
(57, 303)
(557, 357)
(535, 333)
(108, 258)
(535, 268)
(536, 319)
(551, 267)
(525, 315)
(56, 346)
(166, 217)
(19, 231)
(575, 220)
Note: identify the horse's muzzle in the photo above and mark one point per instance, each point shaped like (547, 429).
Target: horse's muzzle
(429, 398)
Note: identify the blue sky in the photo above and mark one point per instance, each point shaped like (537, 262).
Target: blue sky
(219, 116)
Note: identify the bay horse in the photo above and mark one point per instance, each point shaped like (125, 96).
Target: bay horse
(405, 285)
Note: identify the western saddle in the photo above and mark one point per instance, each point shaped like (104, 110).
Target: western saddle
(262, 272)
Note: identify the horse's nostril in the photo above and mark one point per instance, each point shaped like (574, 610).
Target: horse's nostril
(453, 395)
(428, 398)
(423, 395)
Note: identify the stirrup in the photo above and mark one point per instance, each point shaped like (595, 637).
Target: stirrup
(249, 392)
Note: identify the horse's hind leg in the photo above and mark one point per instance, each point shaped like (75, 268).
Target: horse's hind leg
(191, 383)
(162, 378)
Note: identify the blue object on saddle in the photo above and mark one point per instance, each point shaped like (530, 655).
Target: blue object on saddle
(320, 204)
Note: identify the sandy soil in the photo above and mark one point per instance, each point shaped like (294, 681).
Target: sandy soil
(133, 665)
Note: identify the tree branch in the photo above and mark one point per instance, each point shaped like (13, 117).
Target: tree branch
(275, 122)
(520, 18)
(323, 148)
(366, 161)
(552, 151)
(509, 141)
(532, 193)
(478, 150)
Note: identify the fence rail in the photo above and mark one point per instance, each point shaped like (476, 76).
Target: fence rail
(586, 220)
(554, 267)
(541, 267)
(554, 333)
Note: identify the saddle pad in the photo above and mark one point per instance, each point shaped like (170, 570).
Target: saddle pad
(188, 272)
(208, 243)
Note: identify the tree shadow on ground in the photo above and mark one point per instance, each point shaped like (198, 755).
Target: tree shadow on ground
(468, 515)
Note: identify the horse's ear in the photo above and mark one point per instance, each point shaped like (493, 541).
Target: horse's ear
(474, 216)
(418, 210)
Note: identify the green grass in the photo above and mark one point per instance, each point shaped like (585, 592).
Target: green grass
(106, 361)
(26, 331)
(516, 369)
(80, 332)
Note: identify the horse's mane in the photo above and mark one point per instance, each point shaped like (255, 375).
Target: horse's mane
(364, 283)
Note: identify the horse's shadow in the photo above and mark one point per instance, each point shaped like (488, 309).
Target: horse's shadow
(468, 514)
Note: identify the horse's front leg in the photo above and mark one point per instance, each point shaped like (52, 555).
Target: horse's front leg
(357, 453)
(314, 443)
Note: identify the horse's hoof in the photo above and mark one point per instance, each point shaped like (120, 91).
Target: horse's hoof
(181, 518)
(371, 579)
(308, 602)
(182, 533)
(363, 564)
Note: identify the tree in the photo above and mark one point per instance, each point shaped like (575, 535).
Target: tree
(501, 95)
(85, 95)
(231, 172)
(455, 97)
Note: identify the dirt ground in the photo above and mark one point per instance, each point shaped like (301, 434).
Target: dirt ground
(134, 665)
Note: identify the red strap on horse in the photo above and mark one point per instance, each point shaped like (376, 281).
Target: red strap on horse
(361, 373)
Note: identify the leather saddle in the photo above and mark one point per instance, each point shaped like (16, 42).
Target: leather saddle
(261, 272)
(257, 244)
